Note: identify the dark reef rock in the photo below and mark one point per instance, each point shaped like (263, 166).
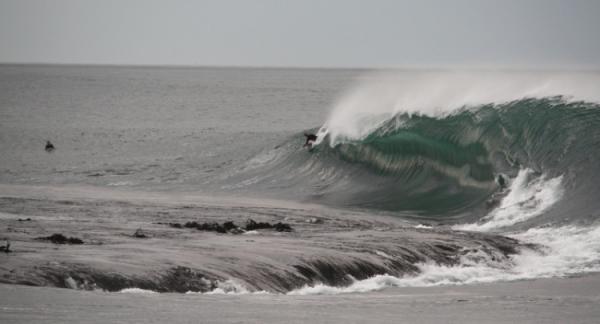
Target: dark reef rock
(345, 247)
(174, 225)
(251, 225)
(139, 233)
(231, 228)
(279, 227)
(282, 227)
(177, 279)
(210, 227)
(61, 239)
(5, 248)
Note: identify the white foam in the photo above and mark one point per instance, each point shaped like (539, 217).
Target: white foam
(121, 183)
(528, 197)
(379, 97)
(137, 291)
(230, 287)
(567, 251)
(423, 226)
(71, 283)
(383, 254)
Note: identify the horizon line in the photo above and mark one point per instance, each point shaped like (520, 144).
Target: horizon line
(421, 67)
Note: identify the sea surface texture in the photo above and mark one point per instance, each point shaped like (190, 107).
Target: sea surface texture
(417, 178)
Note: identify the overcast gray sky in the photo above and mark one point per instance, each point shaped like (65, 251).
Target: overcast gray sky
(509, 33)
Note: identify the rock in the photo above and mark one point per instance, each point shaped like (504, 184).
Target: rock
(209, 227)
(61, 239)
(139, 234)
(236, 230)
(228, 226)
(5, 248)
(251, 225)
(231, 228)
(281, 227)
(175, 225)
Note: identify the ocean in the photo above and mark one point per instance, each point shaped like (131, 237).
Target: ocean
(419, 179)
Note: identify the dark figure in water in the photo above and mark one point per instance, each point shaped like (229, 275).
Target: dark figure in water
(501, 181)
(310, 139)
(6, 248)
(49, 146)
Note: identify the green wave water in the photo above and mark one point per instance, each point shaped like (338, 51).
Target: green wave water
(447, 168)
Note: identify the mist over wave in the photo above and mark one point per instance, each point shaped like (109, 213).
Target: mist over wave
(379, 97)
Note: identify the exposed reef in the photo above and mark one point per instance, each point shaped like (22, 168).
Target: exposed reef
(60, 239)
(278, 249)
(231, 228)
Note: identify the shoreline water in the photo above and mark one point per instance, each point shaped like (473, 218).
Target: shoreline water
(556, 300)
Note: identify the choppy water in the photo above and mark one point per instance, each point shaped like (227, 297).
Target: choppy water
(425, 146)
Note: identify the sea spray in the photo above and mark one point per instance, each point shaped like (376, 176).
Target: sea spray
(379, 97)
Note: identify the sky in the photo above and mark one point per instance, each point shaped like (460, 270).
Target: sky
(303, 33)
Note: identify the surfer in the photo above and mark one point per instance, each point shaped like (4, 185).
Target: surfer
(310, 139)
(49, 146)
(501, 181)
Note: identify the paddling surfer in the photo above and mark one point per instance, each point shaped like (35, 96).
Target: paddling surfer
(49, 146)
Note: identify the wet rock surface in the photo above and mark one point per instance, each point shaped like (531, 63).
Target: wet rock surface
(5, 248)
(276, 248)
(231, 228)
(139, 233)
(60, 239)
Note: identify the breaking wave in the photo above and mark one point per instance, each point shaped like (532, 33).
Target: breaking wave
(523, 161)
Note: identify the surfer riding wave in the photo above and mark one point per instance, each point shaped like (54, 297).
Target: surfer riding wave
(310, 140)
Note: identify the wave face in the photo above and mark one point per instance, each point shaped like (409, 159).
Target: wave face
(450, 164)
(510, 162)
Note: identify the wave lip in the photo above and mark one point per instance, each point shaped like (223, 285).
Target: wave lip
(379, 97)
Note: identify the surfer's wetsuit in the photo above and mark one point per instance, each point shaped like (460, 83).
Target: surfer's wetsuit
(310, 138)
(49, 146)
